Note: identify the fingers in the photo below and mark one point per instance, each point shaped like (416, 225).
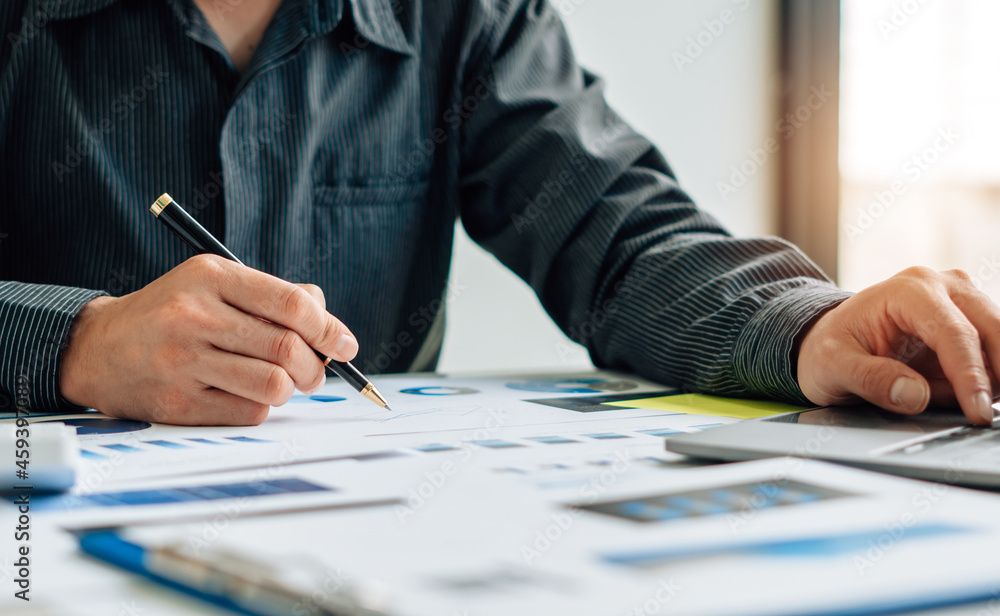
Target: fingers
(232, 410)
(942, 394)
(255, 338)
(248, 378)
(932, 314)
(985, 317)
(887, 383)
(216, 407)
(293, 307)
(199, 406)
(280, 302)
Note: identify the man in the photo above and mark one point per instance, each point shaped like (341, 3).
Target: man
(335, 142)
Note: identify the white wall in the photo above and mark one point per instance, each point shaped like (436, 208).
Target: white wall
(704, 115)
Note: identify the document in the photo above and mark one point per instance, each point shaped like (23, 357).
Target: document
(429, 411)
(772, 537)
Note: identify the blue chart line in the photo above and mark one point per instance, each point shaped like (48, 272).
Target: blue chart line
(205, 441)
(166, 444)
(605, 436)
(810, 547)
(661, 431)
(433, 447)
(496, 444)
(551, 440)
(453, 411)
(122, 448)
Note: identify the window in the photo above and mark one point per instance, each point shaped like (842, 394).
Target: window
(919, 139)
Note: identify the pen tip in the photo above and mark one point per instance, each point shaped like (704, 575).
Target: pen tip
(386, 407)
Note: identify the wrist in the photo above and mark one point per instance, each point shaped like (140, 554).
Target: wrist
(804, 334)
(77, 364)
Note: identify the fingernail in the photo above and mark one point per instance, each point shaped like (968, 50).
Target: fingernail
(984, 406)
(347, 346)
(909, 394)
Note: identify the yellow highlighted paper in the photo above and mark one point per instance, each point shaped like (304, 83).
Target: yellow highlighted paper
(700, 404)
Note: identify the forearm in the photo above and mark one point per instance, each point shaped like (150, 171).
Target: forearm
(589, 213)
(712, 314)
(675, 298)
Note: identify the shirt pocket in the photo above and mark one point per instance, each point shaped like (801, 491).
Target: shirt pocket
(377, 232)
(399, 194)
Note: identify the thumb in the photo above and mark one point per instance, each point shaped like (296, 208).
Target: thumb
(889, 384)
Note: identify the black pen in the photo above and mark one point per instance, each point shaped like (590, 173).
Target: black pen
(201, 241)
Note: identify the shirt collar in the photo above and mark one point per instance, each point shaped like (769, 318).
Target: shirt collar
(382, 22)
(68, 9)
(379, 21)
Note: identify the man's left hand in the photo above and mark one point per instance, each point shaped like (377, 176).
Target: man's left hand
(921, 337)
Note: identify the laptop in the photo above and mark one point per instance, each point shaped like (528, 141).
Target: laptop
(937, 445)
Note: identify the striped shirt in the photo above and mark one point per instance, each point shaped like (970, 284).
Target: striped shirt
(342, 155)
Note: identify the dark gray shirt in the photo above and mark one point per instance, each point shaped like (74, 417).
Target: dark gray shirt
(342, 156)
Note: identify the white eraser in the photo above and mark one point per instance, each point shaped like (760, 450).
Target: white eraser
(38, 456)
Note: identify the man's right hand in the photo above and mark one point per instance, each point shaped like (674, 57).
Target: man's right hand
(212, 342)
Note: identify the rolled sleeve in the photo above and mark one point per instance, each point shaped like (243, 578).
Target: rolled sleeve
(35, 322)
(763, 354)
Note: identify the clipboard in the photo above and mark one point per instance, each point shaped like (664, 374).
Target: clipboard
(229, 582)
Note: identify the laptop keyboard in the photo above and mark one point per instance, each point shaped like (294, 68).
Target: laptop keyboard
(968, 441)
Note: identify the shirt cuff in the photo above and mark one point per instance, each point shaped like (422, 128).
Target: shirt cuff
(36, 321)
(762, 355)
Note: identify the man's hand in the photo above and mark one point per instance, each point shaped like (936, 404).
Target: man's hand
(920, 337)
(210, 342)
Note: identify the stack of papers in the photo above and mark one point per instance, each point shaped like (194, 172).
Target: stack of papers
(532, 494)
